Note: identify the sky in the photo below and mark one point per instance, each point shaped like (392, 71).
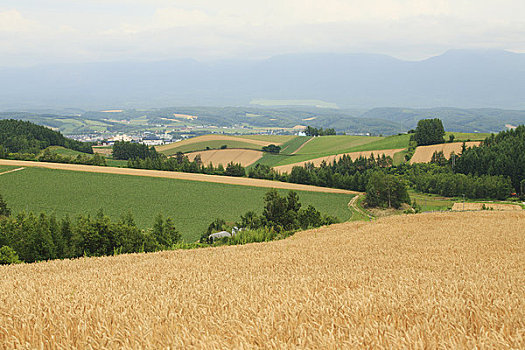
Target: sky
(36, 32)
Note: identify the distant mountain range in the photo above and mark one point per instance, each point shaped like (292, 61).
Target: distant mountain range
(458, 78)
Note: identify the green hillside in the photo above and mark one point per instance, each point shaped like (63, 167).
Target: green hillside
(192, 204)
(330, 145)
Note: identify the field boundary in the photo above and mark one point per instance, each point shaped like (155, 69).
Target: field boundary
(297, 150)
(241, 181)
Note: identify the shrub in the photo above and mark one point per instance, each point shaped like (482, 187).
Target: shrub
(8, 256)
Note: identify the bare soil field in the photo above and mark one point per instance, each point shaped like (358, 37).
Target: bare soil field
(479, 206)
(224, 156)
(317, 161)
(426, 281)
(242, 181)
(102, 150)
(424, 154)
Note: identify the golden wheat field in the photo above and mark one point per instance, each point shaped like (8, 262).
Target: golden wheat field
(214, 137)
(329, 159)
(424, 154)
(244, 157)
(479, 206)
(441, 280)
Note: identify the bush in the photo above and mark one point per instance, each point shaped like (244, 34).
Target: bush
(8, 256)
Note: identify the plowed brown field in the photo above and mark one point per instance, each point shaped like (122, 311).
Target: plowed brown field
(224, 156)
(424, 154)
(242, 181)
(317, 161)
(427, 281)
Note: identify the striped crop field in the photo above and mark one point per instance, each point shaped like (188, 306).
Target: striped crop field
(427, 281)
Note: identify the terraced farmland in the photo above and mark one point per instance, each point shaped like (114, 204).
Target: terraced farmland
(447, 280)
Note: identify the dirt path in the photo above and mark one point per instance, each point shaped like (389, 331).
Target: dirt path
(242, 181)
(353, 204)
(11, 171)
(297, 150)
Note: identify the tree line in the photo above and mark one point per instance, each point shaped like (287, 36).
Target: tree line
(27, 237)
(502, 154)
(311, 131)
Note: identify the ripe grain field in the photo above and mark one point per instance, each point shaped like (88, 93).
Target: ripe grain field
(447, 280)
(424, 154)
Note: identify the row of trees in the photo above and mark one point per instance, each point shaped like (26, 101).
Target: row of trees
(32, 237)
(310, 131)
(127, 150)
(52, 157)
(18, 136)
(182, 163)
(48, 156)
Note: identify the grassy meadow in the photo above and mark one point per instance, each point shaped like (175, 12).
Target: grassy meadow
(467, 136)
(192, 204)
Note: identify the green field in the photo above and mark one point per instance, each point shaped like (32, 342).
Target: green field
(464, 136)
(432, 202)
(6, 168)
(287, 149)
(326, 145)
(330, 145)
(192, 204)
(62, 151)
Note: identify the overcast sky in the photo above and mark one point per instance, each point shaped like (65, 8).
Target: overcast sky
(52, 31)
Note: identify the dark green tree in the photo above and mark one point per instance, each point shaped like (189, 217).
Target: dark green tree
(385, 190)
(429, 132)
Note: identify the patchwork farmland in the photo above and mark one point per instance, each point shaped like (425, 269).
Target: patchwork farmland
(352, 285)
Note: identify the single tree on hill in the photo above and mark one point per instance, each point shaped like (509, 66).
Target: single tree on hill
(429, 132)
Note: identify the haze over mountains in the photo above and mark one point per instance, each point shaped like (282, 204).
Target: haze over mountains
(458, 78)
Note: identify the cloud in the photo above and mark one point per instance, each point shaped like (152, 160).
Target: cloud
(11, 21)
(58, 30)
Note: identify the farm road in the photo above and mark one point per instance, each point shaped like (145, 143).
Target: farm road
(242, 181)
(11, 171)
(353, 204)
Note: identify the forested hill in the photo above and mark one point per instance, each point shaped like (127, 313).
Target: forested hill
(18, 136)
(501, 154)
